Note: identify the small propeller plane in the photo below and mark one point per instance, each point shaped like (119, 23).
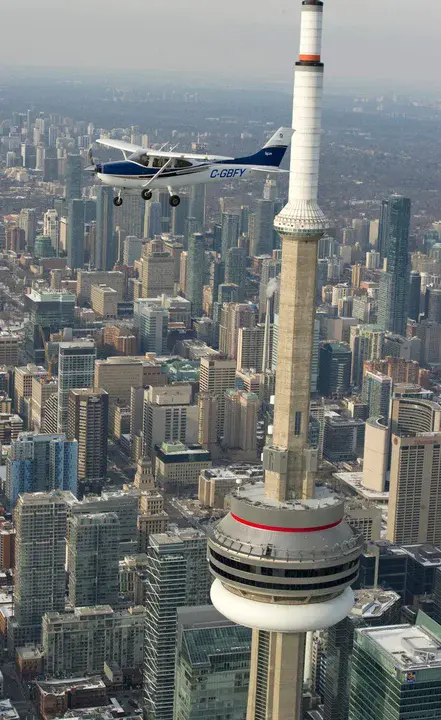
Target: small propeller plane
(149, 169)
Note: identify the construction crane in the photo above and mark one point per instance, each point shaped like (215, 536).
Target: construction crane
(50, 359)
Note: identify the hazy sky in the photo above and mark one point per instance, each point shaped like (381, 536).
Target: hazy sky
(379, 40)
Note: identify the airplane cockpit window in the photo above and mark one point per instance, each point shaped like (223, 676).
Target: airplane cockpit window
(180, 163)
(141, 158)
(159, 162)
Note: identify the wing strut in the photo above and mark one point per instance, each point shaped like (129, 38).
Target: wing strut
(160, 171)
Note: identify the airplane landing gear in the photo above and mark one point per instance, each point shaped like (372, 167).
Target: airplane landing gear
(174, 200)
(146, 194)
(118, 201)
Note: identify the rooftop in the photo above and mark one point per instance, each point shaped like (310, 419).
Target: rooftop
(373, 602)
(202, 644)
(410, 647)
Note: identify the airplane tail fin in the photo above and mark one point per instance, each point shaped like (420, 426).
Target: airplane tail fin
(273, 152)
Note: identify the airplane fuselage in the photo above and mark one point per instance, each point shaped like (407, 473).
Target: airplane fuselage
(128, 175)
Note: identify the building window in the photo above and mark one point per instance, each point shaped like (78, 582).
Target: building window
(298, 423)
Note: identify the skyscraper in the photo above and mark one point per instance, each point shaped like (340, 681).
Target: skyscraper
(75, 234)
(373, 608)
(180, 213)
(27, 221)
(152, 321)
(433, 304)
(130, 216)
(236, 269)
(396, 672)
(105, 250)
(229, 233)
(413, 311)
(41, 463)
(334, 369)
(74, 169)
(195, 272)
(157, 275)
(49, 312)
(76, 364)
(377, 393)
(216, 377)
(198, 199)
(212, 660)
(262, 242)
(284, 522)
(241, 412)
(88, 424)
(366, 343)
(40, 521)
(394, 283)
(177, 576)
(93, 559)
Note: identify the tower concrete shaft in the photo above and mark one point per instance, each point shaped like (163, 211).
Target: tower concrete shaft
(289, 464)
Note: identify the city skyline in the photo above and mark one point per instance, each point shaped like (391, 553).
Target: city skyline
(240, 53)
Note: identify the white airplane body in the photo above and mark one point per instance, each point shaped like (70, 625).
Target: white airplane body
(149, 169)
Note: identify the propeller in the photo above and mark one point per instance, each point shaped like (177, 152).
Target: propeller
(92, 167)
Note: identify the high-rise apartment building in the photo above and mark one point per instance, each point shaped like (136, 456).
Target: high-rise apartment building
(207, 404)
(377, 393)
(396, 672)
(251, 347)
(366, 343)
(88, 424)
(42, 417)
(117, 375)
(168, 415)
(105, 248)
(180, 213)
(74, 168)
(49, 312)
(76, 365)
(177, 576)
(394, 283)
(217, 376)
(241, 413)
(51, 228)
(335, 369)
(124, 504)
(40, 521)
(93, 559)
(41, 463)
(234, 316)
(195, 272)
(75, 234)
(80, 642)
(8, 348)
(415, 489)
(23, 379)
(27, 221)
(212, 661)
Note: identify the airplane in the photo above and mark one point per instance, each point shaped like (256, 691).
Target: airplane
(149, 169)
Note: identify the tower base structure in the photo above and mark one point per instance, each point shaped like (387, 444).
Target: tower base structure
(282, 569)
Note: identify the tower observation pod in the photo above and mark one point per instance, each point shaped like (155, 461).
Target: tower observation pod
(284, 558)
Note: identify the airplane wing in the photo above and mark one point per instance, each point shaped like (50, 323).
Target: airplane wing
(267, 170)
(119, 145)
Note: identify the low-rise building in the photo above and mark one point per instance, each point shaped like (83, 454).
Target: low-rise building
(179, 465)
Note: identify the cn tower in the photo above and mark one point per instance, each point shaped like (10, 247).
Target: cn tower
(284, 558)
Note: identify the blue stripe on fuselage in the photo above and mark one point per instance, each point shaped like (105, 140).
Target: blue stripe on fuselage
(127, 168)
(269, 157)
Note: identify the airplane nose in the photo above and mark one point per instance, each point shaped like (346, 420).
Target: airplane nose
(98, 168)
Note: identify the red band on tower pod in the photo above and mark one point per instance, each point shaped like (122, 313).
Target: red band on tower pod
(273, 528)
(309, 58)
